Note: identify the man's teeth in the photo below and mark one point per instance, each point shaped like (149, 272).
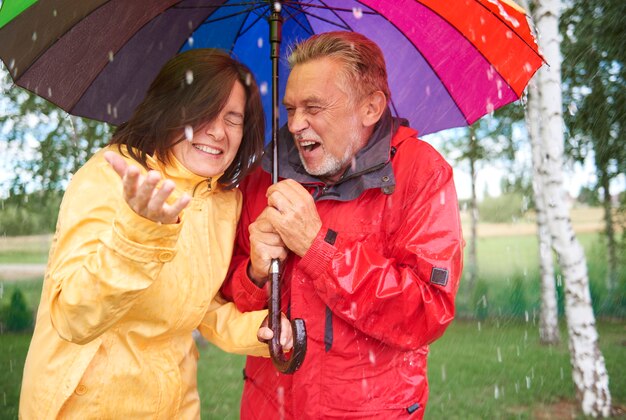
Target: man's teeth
(307, 143)
(207, 149)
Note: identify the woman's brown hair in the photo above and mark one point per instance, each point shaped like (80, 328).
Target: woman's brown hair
(191, 90)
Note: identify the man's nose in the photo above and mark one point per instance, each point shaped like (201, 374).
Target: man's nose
(297, 121)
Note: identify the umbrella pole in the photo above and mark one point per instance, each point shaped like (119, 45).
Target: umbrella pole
(281, 362)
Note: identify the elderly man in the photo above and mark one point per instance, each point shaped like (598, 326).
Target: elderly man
(366, 221)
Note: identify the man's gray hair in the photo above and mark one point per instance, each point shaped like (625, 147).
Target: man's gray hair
(364, 70)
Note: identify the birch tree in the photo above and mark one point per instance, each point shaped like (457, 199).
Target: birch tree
(588, 367)
(548, 316)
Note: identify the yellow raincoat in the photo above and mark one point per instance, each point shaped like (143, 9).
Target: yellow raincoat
(121, 297)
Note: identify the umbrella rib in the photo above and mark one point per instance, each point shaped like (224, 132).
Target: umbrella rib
(334, 10)
(513, 30)
(340, 9)
(452, 98)
(304, 12)
(252, 9)
(307, 30)
(241, 32)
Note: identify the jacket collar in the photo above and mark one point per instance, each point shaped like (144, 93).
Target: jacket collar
(371, 169)
(185, 180)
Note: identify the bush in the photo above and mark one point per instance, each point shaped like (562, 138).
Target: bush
(480, 302)
(503, 209)
(17, 316)
(517, 298)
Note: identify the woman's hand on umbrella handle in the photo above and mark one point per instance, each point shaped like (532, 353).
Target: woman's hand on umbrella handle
(143, 196)
(265, 333)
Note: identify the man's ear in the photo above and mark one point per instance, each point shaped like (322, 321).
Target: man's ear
(373, 107)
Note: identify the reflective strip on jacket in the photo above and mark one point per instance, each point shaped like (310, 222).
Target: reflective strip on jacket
(372, 298)
(122, 296)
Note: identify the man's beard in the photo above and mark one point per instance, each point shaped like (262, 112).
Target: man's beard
(331, 165)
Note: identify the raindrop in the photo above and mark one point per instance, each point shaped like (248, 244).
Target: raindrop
(427, 90)
(516, 387)
(479, 326)
(353, 308)
(277, 7)
(189, 132)
(482, 20)
(526, 315)
(499, 355)
(443, 373)
(49, 92)
(483, 38)
(189, 77)
(562, 376)
(11, 365)
(109, 108)
(559, 281)
(364, 386)
(353, 163)
(372, 357)
(442, 198)
(489, 108)
(517, 351)
(54, 13)
(528, 67)
(190, 41)
(190, 24)
(490, 73)
(12, 64)
(572, 108)
(111, 56)
(263, 88)
(528, 382)
(357, 12)
(509, 34)
(259, 42)
(34, 36)
(248, 79)
(115, 112)
(496, 392)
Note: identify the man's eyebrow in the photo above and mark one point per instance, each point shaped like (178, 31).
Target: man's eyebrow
(308, 101)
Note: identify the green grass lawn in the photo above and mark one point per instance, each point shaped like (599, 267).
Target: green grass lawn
(495, 370)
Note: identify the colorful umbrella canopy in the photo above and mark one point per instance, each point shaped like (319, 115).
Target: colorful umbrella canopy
(449, 62)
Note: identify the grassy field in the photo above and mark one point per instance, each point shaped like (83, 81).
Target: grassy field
(490, 369)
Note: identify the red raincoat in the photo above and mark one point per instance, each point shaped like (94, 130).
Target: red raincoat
(376, 287)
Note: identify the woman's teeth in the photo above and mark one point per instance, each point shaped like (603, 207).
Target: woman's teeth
(207, 149)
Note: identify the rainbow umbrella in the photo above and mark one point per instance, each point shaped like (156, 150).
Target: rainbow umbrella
(449, 61)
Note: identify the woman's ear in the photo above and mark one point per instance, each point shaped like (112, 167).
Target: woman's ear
(373, 107)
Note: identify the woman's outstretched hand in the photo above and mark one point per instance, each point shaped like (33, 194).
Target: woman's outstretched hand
(143, 196)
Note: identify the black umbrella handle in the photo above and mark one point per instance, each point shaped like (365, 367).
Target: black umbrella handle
(282, 363)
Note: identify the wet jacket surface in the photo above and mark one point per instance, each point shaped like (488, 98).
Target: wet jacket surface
(121, 297)
(376, 287)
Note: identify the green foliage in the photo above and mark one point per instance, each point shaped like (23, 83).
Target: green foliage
(589, 196)
(42, 146)
(518, 305)
(480, 300)
(17, 317)
(503, 209)
(29, 214)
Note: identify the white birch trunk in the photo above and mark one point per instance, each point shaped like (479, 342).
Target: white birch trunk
(588, 368)
(548, 317)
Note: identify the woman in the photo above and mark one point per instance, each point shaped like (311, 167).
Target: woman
(143, 241)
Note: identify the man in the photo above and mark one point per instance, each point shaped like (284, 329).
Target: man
(366, 221)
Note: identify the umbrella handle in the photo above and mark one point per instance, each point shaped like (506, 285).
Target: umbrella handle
(282, 363)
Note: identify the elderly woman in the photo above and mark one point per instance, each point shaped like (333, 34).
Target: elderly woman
(143, 242)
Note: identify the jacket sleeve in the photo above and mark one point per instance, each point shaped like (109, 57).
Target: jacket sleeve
(238, 287)
(233, 331)
(402, 294)
(103, 256)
